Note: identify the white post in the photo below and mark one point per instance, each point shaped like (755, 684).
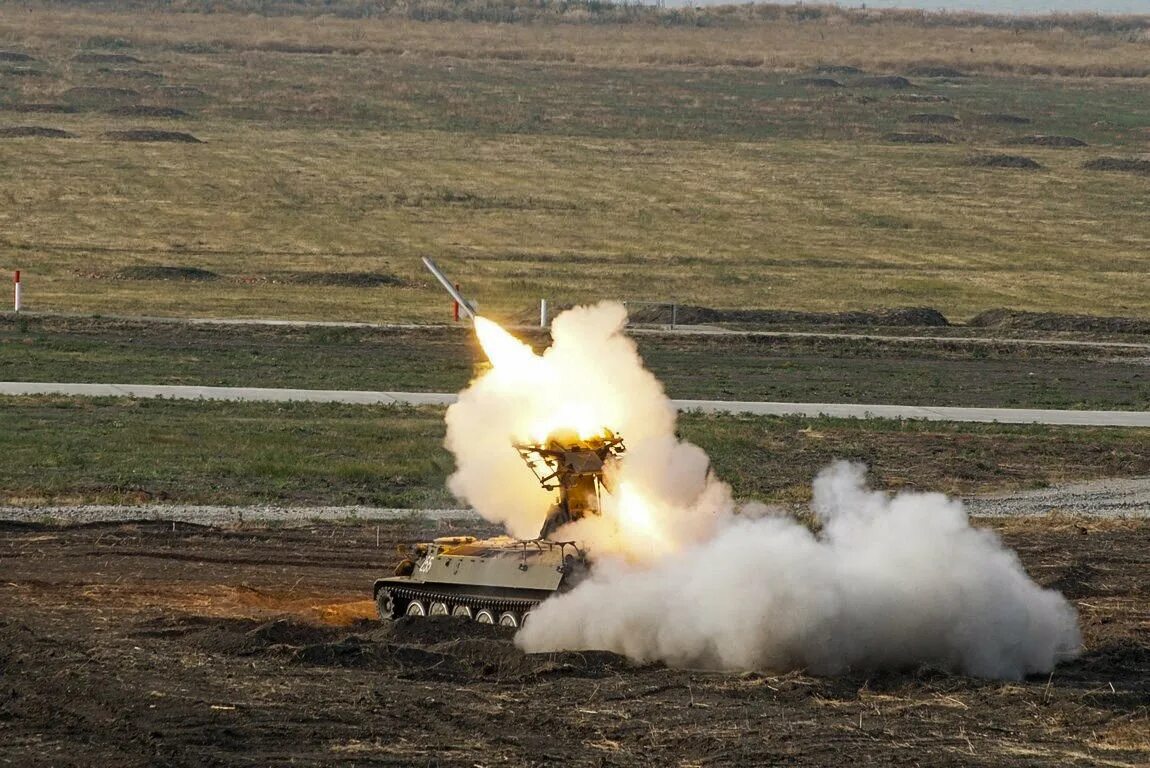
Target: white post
(16, 291)
(543, 313)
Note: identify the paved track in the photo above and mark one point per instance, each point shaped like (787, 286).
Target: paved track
(843, 410)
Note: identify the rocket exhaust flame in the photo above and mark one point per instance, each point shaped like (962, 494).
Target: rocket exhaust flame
(685, 576)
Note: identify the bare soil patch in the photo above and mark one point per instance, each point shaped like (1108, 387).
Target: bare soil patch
(99, 93)
(1003, 119)
(916, 137)
(1043, 140)
(132, 74)
(1129, 164)
(182, 91)
(166, 273)
(34, 131)
(920, 98)
(931, 118)
(146, 110)
(26, 72)
(1002, 161)
(818, 82)
(895, 82)
(106, 58)
(152, 135)
(175, 644)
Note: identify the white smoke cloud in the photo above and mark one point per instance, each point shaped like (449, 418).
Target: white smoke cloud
(888, 583)
(591, 371)
(683, 578)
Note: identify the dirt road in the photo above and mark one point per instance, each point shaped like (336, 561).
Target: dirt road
(160, 643)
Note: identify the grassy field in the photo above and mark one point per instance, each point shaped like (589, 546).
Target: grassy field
(445, 359)
(57, 450)
(574, 161)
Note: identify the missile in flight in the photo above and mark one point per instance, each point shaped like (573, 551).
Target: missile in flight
(460, 302)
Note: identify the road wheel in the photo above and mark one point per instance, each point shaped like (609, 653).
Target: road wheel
(508, 619)
(485, 616)
(439, 609)
(416, 608)
(463, 611)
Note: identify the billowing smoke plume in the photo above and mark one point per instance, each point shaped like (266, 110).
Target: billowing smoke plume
(682, 577)
(590, 377)
(890, 582)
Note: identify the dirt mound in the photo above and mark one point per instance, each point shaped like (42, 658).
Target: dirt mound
(148, 134)
(15, 56)
(1000, 118)
(837, 69)
(436, 629)
(39, 108)
(166, 273)
(34, 131)
(341, 279)
(931, 118)
(934, 70)
(694, 315)
(1048, 321)
(1131, 164)
(239, 637)
(818, 82)
(917, 98)
(447, 650)
(914, 137)
(99, 93)
(146, 110)
(883, 81)
(1001, 161)
(135, 74)
(106, 58)
(1043, 140)
(25, 72)
(182, 91)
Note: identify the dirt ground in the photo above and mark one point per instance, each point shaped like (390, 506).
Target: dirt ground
(162, 643)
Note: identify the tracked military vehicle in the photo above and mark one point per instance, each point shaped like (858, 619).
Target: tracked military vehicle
(499, 580)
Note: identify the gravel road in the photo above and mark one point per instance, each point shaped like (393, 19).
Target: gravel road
(1127, 497)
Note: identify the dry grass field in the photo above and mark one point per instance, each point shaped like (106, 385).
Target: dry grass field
(702, 158)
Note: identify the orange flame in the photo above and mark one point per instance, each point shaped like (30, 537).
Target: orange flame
(637, 522)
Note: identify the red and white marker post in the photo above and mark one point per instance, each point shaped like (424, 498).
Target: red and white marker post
(16, 292)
